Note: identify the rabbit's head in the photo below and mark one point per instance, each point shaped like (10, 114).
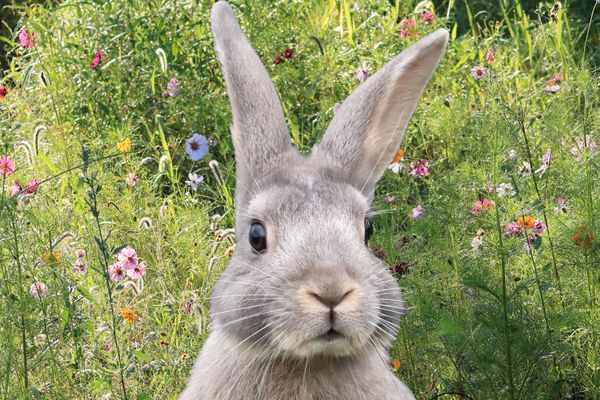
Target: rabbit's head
(302, 281)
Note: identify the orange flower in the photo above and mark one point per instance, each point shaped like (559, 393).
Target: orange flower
(582, 238)
(526, 221)
(52, 257)
(396, 364)
(128, 315)
(185, 356)
(164, 342)
(398, 157)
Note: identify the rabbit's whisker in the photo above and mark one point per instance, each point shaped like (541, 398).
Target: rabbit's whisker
(237, 309)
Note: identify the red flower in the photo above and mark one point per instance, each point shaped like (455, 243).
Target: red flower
(288, 53)
(97, 59)
(278, 60)
(3, 92)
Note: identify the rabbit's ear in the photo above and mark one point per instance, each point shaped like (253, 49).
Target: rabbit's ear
(260, 133)
(368, 128)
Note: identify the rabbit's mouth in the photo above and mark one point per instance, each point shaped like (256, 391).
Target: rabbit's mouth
(330, 336)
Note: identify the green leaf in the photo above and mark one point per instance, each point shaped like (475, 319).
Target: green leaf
(142, 356)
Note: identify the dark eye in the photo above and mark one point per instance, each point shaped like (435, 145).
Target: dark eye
(368, 229)
(258, 236)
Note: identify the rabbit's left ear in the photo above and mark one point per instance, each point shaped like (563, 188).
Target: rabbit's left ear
(368, 128)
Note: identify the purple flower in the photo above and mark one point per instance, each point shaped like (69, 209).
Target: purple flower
(552, 88)
(419, 168)
(479, 72)
(172, 88)
(512, 230)
(80, 267)
(545, 163)
(196, 146)
(390, 198)
(539, 226)
(362, 72)
(525, 169)
(418, 213)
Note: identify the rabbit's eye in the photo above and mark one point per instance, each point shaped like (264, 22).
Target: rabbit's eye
(258, 236)
(368, 229)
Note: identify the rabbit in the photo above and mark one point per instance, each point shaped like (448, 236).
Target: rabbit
(304, 310)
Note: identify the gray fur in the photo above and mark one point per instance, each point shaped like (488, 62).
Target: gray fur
(269, 310)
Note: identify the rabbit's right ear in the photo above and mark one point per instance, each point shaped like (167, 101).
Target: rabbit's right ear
(260, 133)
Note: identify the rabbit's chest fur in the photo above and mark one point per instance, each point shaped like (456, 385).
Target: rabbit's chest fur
(221, 373)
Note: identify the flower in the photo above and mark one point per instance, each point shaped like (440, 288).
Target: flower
(196, 146)
(80, 266)
(397, 164)
(489, 56)
(172, 88)
(188, 307)
(479, 72)
(526, 221)
(396, 364)
(129, 315)
(3, 92)
(418, 213)
(15, 188)
(52, 257)
(128, 258)
(530, 242)
(408, 28)
(427, 16)
(539, 226)
(38, 290)
(390, 198)
(32, 186)
(362, 72)
(138, 271)
(554, 79)
(545, 163)
(562, 204)
(582, 237)
(80, 253)
(7, 166)
(419, 168)
(512, 230)
(583, 143)
(278, 60)
(505, 189)
(194, 180)
(131, 179)
(476, 243)
(288, 53)
(552, 88)
(97, 59)
(512, 154)
(480, 205)
(116, 272)
(124, 146)
(525, 169)
(27, 38)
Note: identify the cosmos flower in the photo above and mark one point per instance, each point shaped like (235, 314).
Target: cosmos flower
(132, 179)
(419, 168)
(80, 266)
(80, 253)
(512, 154)
(418, 213)
(116, 272)
(137, 272)
(196, 146)
(127, 258)
(545, 163)
(27, 38)
(32, 186)
(408, 28)
(481, 205)
(583, 143)
(172, 88)
(38, 290)
(15, 188)
(512, 230)
(525, 169)
(505, 189)
(478, 72)
(427, 16)
(362, 72)
(194, 180)
(129, 315)
(97, 59)
(489, 56)
(7, 166)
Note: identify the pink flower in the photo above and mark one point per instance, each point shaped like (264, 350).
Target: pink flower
(480, 205)
(97, 59)
(38, 290)
(419, 168)
(80, 267)
(554, 79)
(15, 188)
(427, 16)
(552, 88)
(418, 213)
(539, 226)
(408, 28)
(7, 166)
(32, 186)
(80, 253)
(512, 230)
(545, 163)
(390, 198)
(362, 72)
(132, 179)
(3, 92)
(172, 88)
(116, 272)
(128, 258)
(489, 56)
(529, 242)
(27, 38)
(478, 72)
(278, 60)
(138, 271)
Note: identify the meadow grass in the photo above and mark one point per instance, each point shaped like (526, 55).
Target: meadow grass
(492, 240)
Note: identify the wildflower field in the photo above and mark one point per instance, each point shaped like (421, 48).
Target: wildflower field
(117, 187)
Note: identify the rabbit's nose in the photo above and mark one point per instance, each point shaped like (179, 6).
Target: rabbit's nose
(331, 299)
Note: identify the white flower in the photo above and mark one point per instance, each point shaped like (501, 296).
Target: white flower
(194, 180)
(525, 169)
(476, 243)
(396, 167)
(512, 154)
(505, 189)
